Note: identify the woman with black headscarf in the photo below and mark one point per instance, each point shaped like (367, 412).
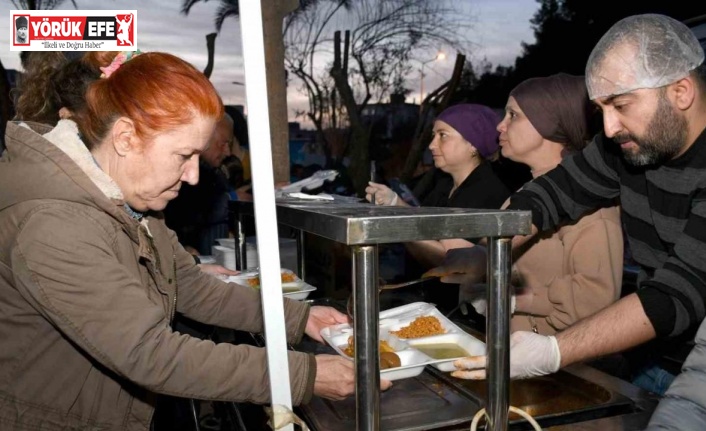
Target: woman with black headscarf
(576, 270)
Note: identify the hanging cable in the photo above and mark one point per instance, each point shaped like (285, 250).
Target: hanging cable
(526, 416)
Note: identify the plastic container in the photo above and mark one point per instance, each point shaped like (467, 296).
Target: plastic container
(414, 353)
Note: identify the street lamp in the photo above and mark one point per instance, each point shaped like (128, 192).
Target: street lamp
(439, 56)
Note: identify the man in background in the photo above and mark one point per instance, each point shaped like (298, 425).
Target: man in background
(199, 215)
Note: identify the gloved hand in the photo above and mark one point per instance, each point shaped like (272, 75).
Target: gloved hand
(531, 355)
(477, 294)
(465, 266)
(383, 194)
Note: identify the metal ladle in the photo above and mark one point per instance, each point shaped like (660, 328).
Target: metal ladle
(383, 285)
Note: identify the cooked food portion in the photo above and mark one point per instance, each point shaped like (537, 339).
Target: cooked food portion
(287, 277)
(385, 347)
(389, 360)
(442, 350)
(422, 326)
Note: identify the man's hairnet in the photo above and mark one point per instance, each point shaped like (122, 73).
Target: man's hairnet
(641, 51)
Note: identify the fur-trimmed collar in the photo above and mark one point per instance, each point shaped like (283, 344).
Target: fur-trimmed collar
(65, 136)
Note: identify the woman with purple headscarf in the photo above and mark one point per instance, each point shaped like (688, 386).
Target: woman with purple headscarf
(576, 270)
(464, 140)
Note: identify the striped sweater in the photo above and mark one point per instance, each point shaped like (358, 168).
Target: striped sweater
(663, 213)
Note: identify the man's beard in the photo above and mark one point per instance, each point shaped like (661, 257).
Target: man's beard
(665, 137)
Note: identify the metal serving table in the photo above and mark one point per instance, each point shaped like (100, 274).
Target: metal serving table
(363, 227)
(579, 397)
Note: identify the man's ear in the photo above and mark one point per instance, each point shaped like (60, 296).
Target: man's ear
(684, 92)
(123, 136)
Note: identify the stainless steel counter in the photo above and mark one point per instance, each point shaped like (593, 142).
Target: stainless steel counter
(579, 397)
(364, 226)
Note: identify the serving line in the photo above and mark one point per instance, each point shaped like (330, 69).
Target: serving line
(363, 227)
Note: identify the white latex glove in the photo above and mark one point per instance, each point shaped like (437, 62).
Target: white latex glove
(531, 355)
(383, 194)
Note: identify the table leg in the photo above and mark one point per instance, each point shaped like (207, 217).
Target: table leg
(366, 332)
(498, 333)
(241, 263)
(300, 254)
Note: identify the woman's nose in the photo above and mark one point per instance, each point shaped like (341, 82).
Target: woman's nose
(191, 172)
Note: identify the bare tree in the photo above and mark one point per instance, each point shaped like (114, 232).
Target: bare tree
(383, 39)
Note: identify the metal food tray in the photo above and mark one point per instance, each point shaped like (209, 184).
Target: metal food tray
(412, 359)
(557, 399)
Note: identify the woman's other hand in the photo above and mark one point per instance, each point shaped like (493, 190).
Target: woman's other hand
(335, 378)
(383, 195)
(321, 317)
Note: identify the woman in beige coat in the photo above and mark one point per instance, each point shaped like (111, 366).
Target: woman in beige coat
(576, 270)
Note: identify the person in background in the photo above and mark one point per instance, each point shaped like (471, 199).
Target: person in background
(464, 139)
(199, 215)
(683, 406)
(39, 90)
(647, 76)
(232, 168)
(241, 141)
(575, 269)
(92, 277)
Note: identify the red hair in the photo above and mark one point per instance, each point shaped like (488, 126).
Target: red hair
(157, 91)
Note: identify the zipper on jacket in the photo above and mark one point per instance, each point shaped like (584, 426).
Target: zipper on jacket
(158, 263)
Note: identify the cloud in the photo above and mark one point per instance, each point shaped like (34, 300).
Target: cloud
(497, 28)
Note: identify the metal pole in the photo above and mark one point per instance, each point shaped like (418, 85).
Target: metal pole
(240, 258)
(264, 203)
(300, 254)
(498, 333)
(366, 332)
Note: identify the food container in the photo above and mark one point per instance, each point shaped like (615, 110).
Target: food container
(445, 349)
(295, 289)
(439, 350)
(412, 361)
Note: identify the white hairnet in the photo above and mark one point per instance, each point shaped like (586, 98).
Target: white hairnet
(641, 51)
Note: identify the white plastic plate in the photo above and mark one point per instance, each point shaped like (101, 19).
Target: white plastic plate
(296, 289)
(413, 360)
(300, 292)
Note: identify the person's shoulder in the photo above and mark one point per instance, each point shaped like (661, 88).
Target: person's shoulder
(66, 219)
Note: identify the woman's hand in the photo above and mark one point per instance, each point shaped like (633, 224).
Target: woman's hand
(462, 266)
(321, 317)
(335, 378)
(217, 269)
(383, 194)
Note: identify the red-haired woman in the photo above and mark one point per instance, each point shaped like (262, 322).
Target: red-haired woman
(91, 278)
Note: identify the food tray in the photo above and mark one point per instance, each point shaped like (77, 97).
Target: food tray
(439, 351)
(297, 289)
